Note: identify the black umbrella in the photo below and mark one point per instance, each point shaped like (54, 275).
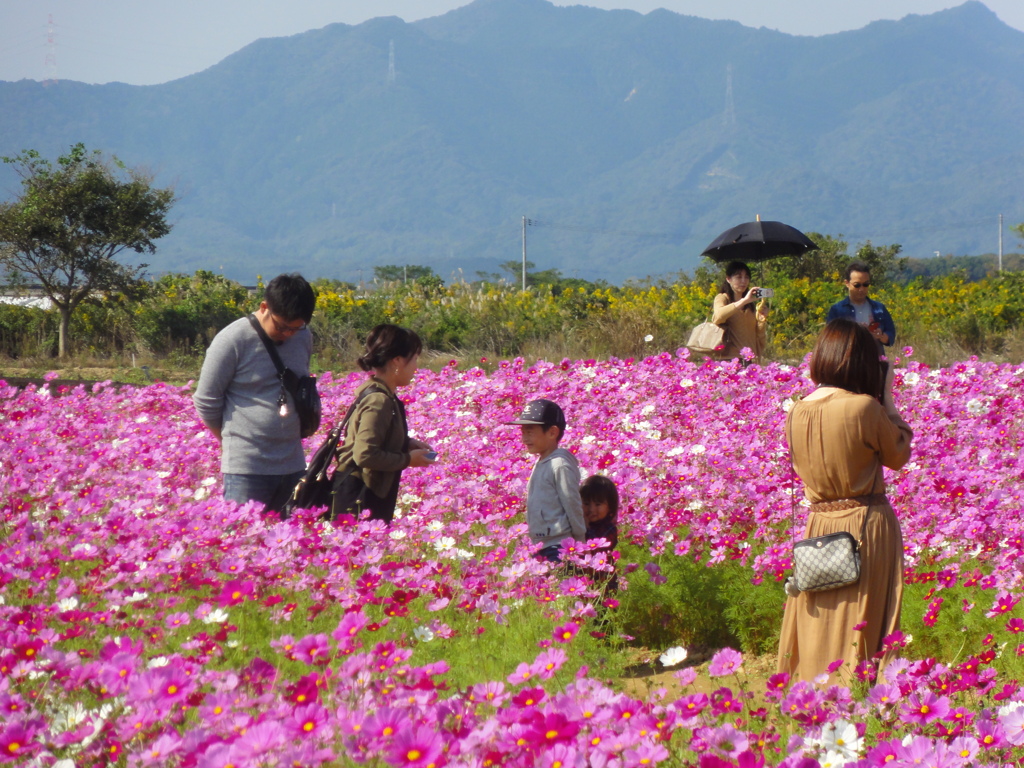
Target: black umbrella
(758, 241)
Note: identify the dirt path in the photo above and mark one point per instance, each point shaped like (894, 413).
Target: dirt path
(645, 677)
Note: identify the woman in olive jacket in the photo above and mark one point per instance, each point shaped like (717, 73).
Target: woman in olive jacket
(377, 445)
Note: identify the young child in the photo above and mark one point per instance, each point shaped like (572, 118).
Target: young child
(554, 510)
(601, 512)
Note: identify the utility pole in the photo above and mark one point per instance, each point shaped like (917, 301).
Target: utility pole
(1000, 243)
(51, 55)
(525, 220)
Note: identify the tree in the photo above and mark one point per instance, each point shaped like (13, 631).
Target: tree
(1018, 229)
(70, 223)
(826, 262)
(392, 272)
(884, 260)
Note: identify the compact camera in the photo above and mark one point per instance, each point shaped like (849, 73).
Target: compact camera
(763, 293)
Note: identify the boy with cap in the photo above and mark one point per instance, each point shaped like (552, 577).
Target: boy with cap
(554, 510)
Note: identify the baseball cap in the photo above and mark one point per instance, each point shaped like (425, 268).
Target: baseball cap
(543, 412)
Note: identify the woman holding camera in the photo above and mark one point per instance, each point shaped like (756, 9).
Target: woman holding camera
(377, 445)
(840, 436)
(734, 309)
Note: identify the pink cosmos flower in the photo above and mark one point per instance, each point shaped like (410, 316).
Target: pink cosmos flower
(529, 697)
(261, 740)
(551, 728)
(236, 591)
(416, 747)
(644, 754)
(883, 695)
(566, 632)
(17, 742)
(163, 748)
(924, 707)
(306, 720)
(493, 693)
(1004, 603)
(313, 649)
(175, 620)
(726, 662)
(386, 723)
(548, 663)
(523, 674)
(555, 756)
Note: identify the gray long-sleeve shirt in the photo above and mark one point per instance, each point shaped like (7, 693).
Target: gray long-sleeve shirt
(554, 510)
(237, 393)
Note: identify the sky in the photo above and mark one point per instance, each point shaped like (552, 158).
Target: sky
(144, 42)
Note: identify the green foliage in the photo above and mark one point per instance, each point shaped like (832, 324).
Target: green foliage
(408, 272)
(824, 264)
(26, 331)
(959, 626)
(884, 261)
(70, 223)
(184, 311)
(944, 318)
(698, 605)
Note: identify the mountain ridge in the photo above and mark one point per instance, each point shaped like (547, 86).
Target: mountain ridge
(613, 127)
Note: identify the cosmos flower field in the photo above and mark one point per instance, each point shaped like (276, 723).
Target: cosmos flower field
(146, 622)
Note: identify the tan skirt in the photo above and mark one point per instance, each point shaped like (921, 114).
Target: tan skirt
(818, 627)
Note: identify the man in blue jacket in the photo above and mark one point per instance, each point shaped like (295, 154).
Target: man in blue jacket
(857, 306)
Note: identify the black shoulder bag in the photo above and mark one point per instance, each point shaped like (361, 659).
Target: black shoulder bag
(315, 488)
(302, 388)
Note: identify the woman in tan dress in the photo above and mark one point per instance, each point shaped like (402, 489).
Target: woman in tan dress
(840, 436)
(734, 308)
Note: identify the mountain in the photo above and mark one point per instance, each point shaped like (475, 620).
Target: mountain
(629, 140)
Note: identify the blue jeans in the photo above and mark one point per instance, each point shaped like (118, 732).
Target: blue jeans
(270, 490)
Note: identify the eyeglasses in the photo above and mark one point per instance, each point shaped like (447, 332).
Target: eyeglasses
(860, 285)
(282, 328)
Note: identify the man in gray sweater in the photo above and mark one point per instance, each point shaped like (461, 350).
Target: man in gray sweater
(238, 391)
(554, 510)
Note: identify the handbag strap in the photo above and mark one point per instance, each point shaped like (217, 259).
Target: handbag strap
(282, 400)
(342, 429)
(792, 502)
(271, 349)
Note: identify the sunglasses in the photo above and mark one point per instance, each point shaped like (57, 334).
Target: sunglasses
(860, 285)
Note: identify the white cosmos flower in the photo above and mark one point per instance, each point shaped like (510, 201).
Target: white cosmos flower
(686, 383)
(444, 543)
(910, 378)
(136, 597)
(673, 656)
(841, 736)
(216, 616)
(649, 338)
(397, 535)
(157, 661)
(423, 634)
(976, 407)
(698, 449)
(435, 525)
(834, 759)
(209, 481)
(67, 604)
